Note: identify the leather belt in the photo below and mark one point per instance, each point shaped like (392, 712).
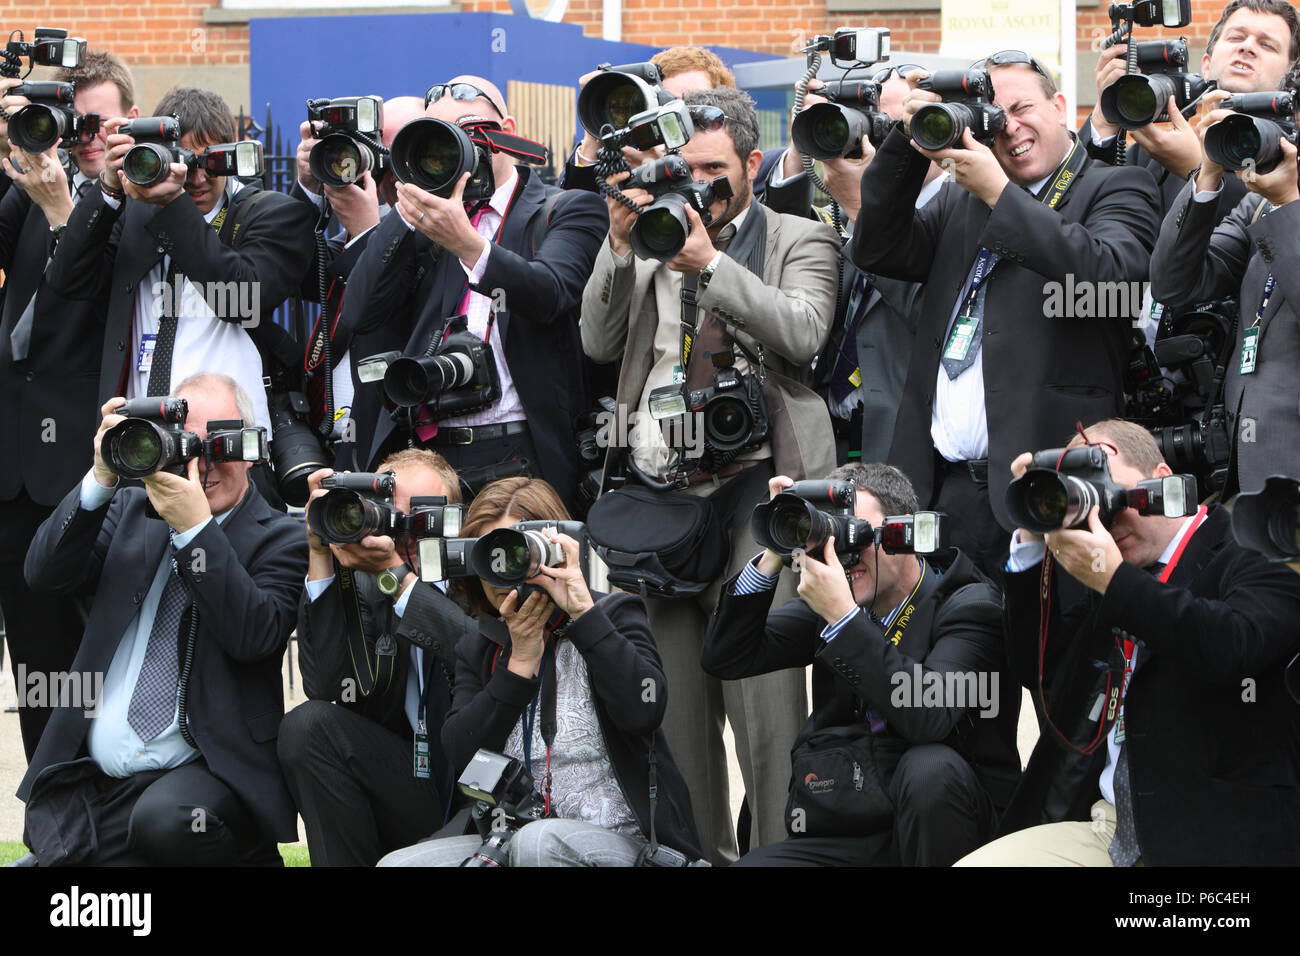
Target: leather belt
(976, 469)
(469, 434)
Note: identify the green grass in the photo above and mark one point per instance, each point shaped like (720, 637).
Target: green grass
(294, 854)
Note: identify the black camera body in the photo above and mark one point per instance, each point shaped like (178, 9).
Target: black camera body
(507, 557)
(1268, 520)
(50, 46)
(834, 130)
(349, 129)
(153, 438)
(457, 374)
(967, 103)
(296, 449)
(505, 799)
(661, 229)
(1138, 99)
(731, 413)
(158, 145)
(1251, 138)
(434, 154)
(627, 99)
(355, 505)
(49, 119)
(1062, 485)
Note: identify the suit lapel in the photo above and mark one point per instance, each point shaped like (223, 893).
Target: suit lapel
(529, 195)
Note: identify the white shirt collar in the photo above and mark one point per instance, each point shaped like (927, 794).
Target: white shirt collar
(1168, 553)
(500, 200)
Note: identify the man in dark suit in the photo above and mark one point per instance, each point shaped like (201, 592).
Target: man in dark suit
(989, 371)
(431, 261)
(352, 753)
(1252, 254)
(357, 209)
(173, 761)
(1184, 634)
(894, 624)
(227, 253)
(49, 374)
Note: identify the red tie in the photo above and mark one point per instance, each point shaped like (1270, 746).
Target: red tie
(426, 432)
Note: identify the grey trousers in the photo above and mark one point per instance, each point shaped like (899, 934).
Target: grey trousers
(541, 843)
(766, 712)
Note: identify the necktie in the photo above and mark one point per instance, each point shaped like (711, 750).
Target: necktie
(846, 360)
(426, 432)
(972, 308)
(153, 702)
(710, 336)
(1124, 849)
(20, 339)
(160, 369)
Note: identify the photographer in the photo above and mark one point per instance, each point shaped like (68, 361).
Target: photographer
(49, 369)
(349, 763)
(936, 772)
(357, 208)
(763, 285)
(522, 300)
(1252, 254)
(181, 768)
(862, 369)
(133, 244)
(1184, 634)
(592, 676)
(993, 370)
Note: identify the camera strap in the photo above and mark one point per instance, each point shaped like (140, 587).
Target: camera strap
(748, 247)
(547, 696)
(378, 674)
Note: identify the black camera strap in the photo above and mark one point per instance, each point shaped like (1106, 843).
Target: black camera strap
(548, 697)
(653, 771)
(748, 247)
(378, 674)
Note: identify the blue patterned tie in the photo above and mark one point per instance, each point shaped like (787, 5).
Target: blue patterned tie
(153, 702)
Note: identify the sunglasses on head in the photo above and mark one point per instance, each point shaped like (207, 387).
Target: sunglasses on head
(1007, 57)
(465, 92)
(707, 119)
(904, 70)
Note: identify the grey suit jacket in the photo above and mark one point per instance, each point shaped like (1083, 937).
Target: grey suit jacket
(788, 311)
(1194, 261)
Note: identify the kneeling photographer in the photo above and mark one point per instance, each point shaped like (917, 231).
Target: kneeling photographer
(368, 775)
(911, 745)
(570, 686)
(1156, 663)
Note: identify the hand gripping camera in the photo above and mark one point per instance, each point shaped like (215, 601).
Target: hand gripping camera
(1138, 99)
(808, 513)
(1062, 485)
(967, 104)
(661, 229)
(834, 130)
(49, 118)
(349, 133)
(158, 145)
(153, 438)
(457, 374)
(1251, 139)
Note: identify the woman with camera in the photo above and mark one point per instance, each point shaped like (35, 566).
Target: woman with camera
(570, 685)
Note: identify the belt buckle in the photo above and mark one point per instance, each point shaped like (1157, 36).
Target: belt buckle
(460, 435)
(975, 467)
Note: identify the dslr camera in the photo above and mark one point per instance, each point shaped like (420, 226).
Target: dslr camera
(834, 130)
(158, 145)
(349, 129)
(1062, 484)
(153, 438)
(355, 504)
(1138, 99)
(1268, 520)
(504, 558)
(1250, 139)
(967, 104)
(434, 154)
(50, 46)
(661, 229)
(49, 118)
(505, 799)
(731, 412)
(457, 374)
(629, 106)
(808, 513)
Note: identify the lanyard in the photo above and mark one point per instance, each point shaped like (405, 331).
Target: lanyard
(982, 272)
(903, 616)
(529, 717)
(1269, 285)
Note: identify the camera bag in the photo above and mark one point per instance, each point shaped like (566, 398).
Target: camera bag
(840, 782)
(665, 543)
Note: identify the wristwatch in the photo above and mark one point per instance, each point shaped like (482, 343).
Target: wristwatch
(390, 579)
(707, 272)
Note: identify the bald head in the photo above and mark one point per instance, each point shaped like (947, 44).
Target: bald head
(399, 111)
(489, 89)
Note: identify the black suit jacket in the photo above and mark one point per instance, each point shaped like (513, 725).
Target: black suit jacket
(431, 621)
(1041, 375)
(1212, 736)
(955, 628)
(107, 253)
(50, 398)
(399, 288)
(246, 594)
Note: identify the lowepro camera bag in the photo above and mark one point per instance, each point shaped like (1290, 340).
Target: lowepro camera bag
(840, 782)
(665, 543)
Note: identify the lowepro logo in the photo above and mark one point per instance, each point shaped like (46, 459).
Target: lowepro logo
(815, 784)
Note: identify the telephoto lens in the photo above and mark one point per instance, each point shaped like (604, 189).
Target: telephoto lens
(615, 95)
(1268, 521)
(339, 160)
(1044, 500)
(507, 557)
(412, 381)
(433, 155)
